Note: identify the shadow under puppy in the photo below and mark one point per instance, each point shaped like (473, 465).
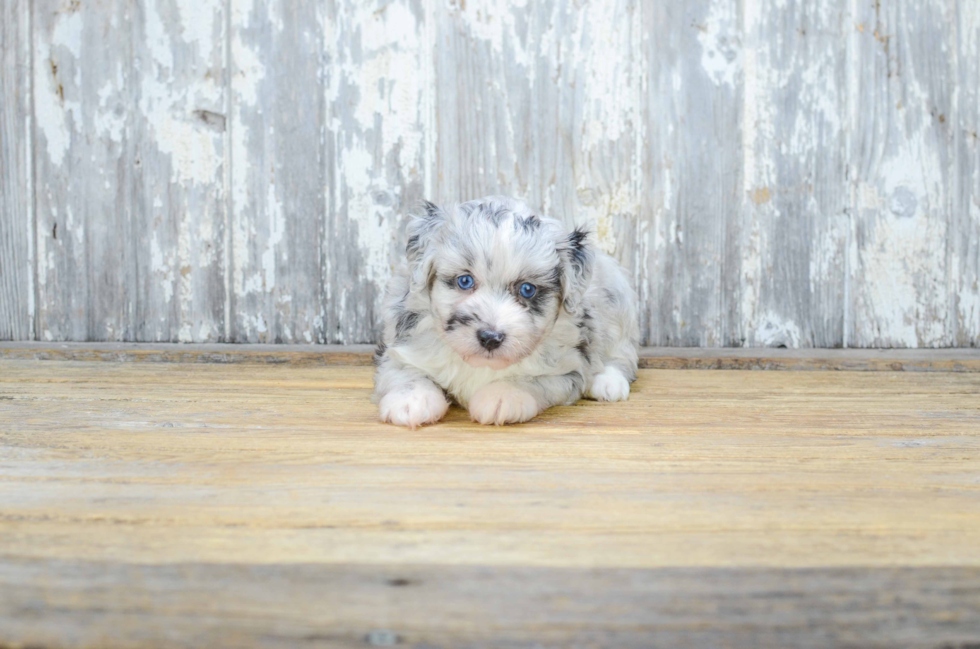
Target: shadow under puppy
(505, 312)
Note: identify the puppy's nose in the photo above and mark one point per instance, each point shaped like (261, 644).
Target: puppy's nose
(490, 339)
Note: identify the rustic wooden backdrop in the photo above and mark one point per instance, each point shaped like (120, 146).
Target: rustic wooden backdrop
(773, 172)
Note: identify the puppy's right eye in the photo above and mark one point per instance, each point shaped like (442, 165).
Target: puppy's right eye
(465, 282)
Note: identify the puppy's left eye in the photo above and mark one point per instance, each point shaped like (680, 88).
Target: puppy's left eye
(528, 290)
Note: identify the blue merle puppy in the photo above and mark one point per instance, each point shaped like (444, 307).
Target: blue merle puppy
(505, 312)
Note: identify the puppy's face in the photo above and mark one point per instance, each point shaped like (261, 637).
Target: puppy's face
(496, 300)
(496, 280)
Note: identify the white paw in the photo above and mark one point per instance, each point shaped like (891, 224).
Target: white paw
(413, 407)
(610, 385)
(502, 403)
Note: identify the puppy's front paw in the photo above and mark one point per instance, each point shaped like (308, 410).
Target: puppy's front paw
(413, 407)
(610, 385)
(502, 403)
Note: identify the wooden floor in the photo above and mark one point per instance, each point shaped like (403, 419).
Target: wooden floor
(172, 505)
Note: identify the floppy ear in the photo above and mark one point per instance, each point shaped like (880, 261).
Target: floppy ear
(422, 229)
(577, 260)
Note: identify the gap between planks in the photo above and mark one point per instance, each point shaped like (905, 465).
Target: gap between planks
(680, 358)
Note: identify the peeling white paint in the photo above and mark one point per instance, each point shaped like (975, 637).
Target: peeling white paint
(110, 121)
(600, 209)
(192, 149)
(773, 331)
(374, 223)
(752, 267)
(51, 111)
(78, 233)
(162, 268)
(248, 72)
(67, 32)
(388, 80)
(168, 107)
(721, 47)
(493, 21)
(903, 265)
(607, 151)
(277, 226)
(156, 37)
(197, 24)
(385, 118)
(603, 53)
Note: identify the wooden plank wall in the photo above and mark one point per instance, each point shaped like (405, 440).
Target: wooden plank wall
(16, 204)
(799, 173)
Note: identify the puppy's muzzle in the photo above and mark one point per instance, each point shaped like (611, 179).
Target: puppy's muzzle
(490, 339)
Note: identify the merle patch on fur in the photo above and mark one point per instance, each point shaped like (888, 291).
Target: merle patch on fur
(458, 319)
(576, 244)
(405, 323)
(494, 214)
(412, 247)
(431, 209)
(578, 381)
(530, 224)
(555, 277)
(379, 353)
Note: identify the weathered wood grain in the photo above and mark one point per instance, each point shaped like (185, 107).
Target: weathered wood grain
(277, 170)
(794, 238)
(377, 87)
(664, 358)
(965, 181)
(543, 101)
(902, 168)
(179, 179)
(358, 355)
(692, 174)
(289, 465)
(172, 504)
(129, 107)
(772, 173)
(848, 360)
(314, 605)
(16, 195)
(84, 190)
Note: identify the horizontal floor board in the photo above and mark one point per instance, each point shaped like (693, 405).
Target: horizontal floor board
(108, 604)
(922, 360)
(264, 505)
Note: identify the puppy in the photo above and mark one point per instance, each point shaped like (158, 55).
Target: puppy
(505, 312)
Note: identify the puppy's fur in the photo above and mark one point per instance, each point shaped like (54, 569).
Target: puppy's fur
(576, 336)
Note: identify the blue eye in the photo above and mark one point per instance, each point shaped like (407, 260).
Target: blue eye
(465, 282)
(528, 290)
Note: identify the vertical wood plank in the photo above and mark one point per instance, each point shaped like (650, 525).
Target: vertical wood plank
(129, 108)
(84, 172)
(278, 197)
(901, 164)
(179, 181)
(693, 174)
(542, 101)
(377, 80)
(16, 202)
(794, 237)
(965, 231)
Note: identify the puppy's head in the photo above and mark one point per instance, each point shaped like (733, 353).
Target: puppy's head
(496, 276)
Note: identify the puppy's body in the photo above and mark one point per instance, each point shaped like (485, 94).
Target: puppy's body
(503, 355)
